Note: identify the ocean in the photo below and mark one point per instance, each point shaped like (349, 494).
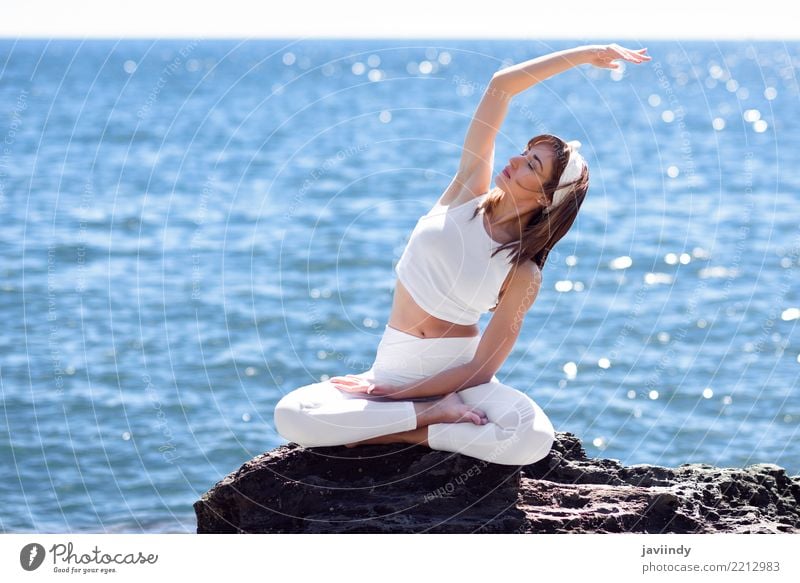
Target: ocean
(194, 228)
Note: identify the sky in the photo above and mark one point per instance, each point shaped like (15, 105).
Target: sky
(578, 19)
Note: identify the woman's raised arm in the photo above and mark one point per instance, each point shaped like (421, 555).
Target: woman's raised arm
(519, 77)
(477, 156)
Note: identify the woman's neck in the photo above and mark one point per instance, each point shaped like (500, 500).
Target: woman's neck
(508, 218)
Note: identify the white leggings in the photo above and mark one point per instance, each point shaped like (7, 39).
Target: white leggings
(319, 414)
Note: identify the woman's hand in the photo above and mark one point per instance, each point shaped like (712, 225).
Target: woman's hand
(356, 384)
(353, 384)
(602, 55)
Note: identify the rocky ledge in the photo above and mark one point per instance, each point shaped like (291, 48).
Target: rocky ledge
(411, 489)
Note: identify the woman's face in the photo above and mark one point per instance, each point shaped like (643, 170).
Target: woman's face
(526, 174)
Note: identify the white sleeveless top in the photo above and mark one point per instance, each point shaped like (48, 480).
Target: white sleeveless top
(447, 265)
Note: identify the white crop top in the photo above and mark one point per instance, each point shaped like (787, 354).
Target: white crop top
(447, 265)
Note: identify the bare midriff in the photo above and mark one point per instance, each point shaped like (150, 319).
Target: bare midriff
(407, 316)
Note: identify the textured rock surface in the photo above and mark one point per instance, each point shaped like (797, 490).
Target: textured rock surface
(402, 489)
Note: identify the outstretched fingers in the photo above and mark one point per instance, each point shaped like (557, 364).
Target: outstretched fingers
(636, 56)
(351, 384)
(616, 52)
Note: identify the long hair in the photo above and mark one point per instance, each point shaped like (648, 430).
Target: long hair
(544, 229)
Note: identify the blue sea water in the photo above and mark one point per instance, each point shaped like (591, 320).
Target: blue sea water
(191, 229)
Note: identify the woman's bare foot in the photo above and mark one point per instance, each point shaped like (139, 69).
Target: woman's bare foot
(449, 409)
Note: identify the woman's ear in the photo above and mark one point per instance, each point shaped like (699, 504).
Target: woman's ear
(543, 202)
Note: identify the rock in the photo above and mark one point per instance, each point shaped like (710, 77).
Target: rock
(410, 489)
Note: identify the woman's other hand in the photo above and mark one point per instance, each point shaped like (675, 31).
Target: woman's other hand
(356, 384)
(352, 384)
(603, 55)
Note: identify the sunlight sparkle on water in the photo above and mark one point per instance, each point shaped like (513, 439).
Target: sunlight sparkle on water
(790, 314)
(654, 278)
(563, 285)
(751, 115)
(621, 262)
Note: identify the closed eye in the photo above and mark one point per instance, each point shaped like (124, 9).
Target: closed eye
(529, 162)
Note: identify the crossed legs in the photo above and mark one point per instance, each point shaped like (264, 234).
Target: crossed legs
(491, 421)
(448, 409)
(321, 415)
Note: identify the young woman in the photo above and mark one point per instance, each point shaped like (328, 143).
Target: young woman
(478, 249)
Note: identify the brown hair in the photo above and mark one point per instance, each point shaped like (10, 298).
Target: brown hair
(544, 229)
